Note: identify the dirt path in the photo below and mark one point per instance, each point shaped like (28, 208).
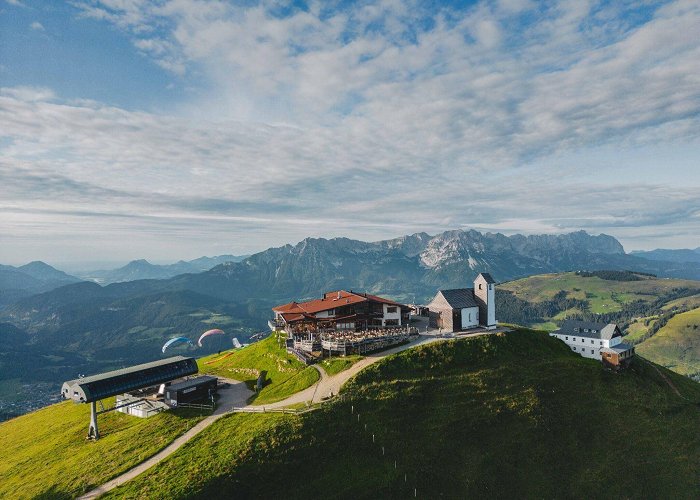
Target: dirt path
(666, 379)
(235, 395)
(332, 384)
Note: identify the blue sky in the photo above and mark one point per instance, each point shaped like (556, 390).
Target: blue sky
(171, 129)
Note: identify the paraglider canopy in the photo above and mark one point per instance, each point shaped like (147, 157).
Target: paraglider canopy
(214, 331)
(175, 341)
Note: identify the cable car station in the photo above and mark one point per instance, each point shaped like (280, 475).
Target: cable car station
(143, 385)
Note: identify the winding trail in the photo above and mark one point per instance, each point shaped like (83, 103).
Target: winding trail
(665, 378)
(236, 394)
(234, 397)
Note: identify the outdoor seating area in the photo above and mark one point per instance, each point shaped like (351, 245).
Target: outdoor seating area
(364, 341)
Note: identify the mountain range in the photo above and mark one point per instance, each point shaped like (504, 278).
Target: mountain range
(413, 267)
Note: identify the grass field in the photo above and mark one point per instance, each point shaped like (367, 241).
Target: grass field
(45, 454)
(509, 416)
(285, 388)
(677, 344)
(334, 366)
(285, 375)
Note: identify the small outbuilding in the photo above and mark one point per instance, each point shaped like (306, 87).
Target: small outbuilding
(618, 356)
(195, 389)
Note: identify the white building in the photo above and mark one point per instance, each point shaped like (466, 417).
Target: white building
(592, 340)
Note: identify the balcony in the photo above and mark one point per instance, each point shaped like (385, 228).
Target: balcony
(275, 325)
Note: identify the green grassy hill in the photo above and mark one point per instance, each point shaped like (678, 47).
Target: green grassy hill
(677, 344)
(515, 415)
(284, 374)
(45, 453)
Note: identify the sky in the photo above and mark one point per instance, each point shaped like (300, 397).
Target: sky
(173, 129)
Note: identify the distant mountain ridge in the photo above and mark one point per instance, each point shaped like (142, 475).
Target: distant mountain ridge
(142, 269)
(670, 255)
(29, 279)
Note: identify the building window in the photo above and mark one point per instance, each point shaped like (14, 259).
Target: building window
(601, 342)
(574, 348)
(567, 338)
(479, 286)
(391, 309)
(591, 351)
(574, 339)
(594, 331)
(592, 342)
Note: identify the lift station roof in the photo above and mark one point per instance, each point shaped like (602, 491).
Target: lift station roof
(104, 385)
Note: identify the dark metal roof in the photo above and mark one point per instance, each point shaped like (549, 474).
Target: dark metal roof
(487, 277)
(589, 329)
(193, 382)
(459, 298)
(108, 384)
(617, 348)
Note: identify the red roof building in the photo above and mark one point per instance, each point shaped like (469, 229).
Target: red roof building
(341, 310)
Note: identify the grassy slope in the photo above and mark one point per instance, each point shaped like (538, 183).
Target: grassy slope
(285, 374)
(607, 295)
(45, 453)
(337, 365)
(510, 416)
(677, 344)
(638, 328)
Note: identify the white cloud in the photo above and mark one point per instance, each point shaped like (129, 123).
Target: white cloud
(355, 121)
(37, 26)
